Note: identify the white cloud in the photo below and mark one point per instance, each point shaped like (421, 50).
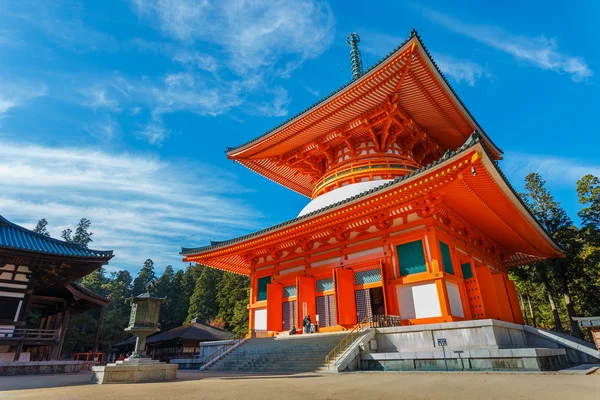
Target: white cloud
(99, 98)
(312, 91)
(15, 94)
(104, 130)
(461, 70)
(560, 171)
(539, 51)
(275, 108)
(203, 62)
(154, 132)
(254, 34)
(139, 206)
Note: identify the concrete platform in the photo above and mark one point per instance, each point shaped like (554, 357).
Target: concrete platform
(134, 371)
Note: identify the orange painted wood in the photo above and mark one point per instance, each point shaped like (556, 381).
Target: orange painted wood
(346, 302)
(514, 300)
(488, 292)
(307, 294)
(274, 307)
(506, 313)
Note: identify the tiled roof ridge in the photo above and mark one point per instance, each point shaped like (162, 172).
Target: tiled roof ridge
(5, 222)
(413, 33)
(471, 141)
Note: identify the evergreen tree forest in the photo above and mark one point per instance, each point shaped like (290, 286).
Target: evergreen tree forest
(214, 297)
(551, 291)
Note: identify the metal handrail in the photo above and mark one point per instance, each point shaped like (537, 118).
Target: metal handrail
(222, 351)
(25, 333)
(373, 321)
(346, 341)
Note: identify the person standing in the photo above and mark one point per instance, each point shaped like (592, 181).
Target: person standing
(306, 324)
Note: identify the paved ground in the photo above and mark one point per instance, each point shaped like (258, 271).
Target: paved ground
(343, 386)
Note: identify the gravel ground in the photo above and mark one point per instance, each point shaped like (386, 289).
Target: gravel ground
(342, 386)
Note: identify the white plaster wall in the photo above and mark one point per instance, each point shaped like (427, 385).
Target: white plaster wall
(456, 307)
(340, 194)
(260, 319)
(418, 301)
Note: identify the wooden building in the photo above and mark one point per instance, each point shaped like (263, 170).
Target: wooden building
(409, 216)
(38, 272)
(184, 341)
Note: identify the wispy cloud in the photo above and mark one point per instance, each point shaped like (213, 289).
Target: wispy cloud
(154, 132)
(15, 94)
(139, 205)
(70, 33)
(560, 171)
(104, 130)
(459, 70)
(312, 91)
(254, 34)
(99, 98)
(277, 107)
(540, 51)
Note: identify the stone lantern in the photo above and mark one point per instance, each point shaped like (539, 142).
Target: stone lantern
(143, 320)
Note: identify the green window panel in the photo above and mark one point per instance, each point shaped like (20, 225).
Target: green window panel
(411, 258)
(446, 258)
(466, 270)
(262, 287)
(324, 284)
(370, 276)
(289, 291)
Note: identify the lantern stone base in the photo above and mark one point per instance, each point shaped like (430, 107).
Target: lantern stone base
(134, 370)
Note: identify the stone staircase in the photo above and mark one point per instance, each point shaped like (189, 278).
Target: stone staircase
(286, 354)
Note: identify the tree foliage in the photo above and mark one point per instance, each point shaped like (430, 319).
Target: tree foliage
(41, 227)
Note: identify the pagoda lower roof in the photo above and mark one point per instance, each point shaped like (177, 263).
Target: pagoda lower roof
(527, 238)
(16, 238)
(423, 93)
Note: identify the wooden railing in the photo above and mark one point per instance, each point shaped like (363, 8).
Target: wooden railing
(347, 340)
(48, 335)
(226, 348)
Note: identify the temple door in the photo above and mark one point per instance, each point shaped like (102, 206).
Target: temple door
(307, 298)
(346, 302)
(274, 307)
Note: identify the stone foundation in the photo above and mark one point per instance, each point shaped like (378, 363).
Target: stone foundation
(134, 371)
(40, 367)
(480, 345)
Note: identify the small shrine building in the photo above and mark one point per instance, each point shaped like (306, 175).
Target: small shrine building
(39, 273)
(409, 216)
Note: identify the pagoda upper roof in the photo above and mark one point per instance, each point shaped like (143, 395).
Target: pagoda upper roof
(15, 237)
(544, 244)
(424, 94)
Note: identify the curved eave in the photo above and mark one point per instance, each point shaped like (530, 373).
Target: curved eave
(288, 128)
(16, 238)
(536, 241)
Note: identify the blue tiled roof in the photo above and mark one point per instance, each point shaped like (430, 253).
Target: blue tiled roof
(16, 237)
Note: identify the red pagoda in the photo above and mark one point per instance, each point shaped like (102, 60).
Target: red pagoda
(409, 214)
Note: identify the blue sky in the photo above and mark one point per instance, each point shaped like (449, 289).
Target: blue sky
(120, 111)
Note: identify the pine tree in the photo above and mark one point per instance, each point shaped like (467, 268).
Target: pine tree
(41, 227)
(145, 276)
(233, 289)
(180, 299)
(165, 287)
(554, 274)
(203, 303)
(588, 191)
(82, 234)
